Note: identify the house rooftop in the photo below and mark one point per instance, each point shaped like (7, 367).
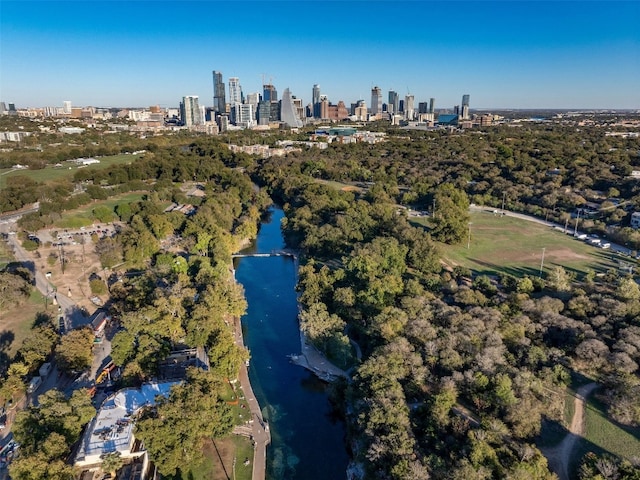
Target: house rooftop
(111, 429)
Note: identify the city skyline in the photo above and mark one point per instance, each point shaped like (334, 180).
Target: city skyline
(506, 54)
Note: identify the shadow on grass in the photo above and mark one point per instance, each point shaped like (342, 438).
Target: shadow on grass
(551, 435)
(494, 269)
(6, 340)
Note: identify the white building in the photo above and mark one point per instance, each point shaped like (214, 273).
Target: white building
(71, 130)
(243, 115)
(66, 107)
(635, 220)
(409, 107)
(235, 91)
(111, 430)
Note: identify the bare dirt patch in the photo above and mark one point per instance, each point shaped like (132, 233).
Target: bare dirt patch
(80, 262)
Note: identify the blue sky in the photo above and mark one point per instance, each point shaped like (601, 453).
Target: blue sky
(505, 54)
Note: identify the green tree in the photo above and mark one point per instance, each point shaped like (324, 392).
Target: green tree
(103, 214)
(451, 215)
(111, 463)
(173, 431)
(74, 354)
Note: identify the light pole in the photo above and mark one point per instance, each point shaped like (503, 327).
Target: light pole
(469, 236)
(504, 195)
(542, 261)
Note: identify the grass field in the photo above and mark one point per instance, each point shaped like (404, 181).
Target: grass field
(16, 323)
(224, 460)
(340, 186)
(603, 435)
(515, 246)
(52, 173)
(83, 216)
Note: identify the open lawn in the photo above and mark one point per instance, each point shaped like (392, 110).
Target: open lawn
(346, 187)
(603, 435)
(224, 459)
(515, 246)
(16, 323)
(51, 173)
(83, 216)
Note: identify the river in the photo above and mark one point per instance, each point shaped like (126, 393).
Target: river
(307, 442)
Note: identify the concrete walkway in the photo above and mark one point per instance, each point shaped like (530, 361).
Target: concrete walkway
(316, 362)
(260, 433)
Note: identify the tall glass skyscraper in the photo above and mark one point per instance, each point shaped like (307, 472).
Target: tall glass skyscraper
(376, 100)
(269, 93)
(219, 97)
(394, 102)
(465, 107)
(235, 91)
(190, 111)
(315, 94)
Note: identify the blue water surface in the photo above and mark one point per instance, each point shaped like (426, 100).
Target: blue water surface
(307, 442)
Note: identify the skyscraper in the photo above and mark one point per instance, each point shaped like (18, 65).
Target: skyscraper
(190, 111)
(270, 94)
(376, 101)
(235, 91)
(66, 109)
(409, 107)
(432, 105)
(243, 115)
(394, 102)
(465, 107)
(288, 112)
(315, 94)
(219, 97)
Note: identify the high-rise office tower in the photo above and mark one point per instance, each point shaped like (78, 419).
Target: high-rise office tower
(3, 108)
(264, 112)
(252, 98)
(219, 97)
(376, 100)
(243, 115)
(465, 107)
(66, 107)
(269, 93)
(288, 112)
(432, 105)
(394, 102)
(408, 107)
(235, 91)
(315, 95)
(190, 111)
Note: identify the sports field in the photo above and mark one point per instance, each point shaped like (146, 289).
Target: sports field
(498, 243)
(51, 173)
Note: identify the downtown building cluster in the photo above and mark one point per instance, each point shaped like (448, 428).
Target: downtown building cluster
(233, 107)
